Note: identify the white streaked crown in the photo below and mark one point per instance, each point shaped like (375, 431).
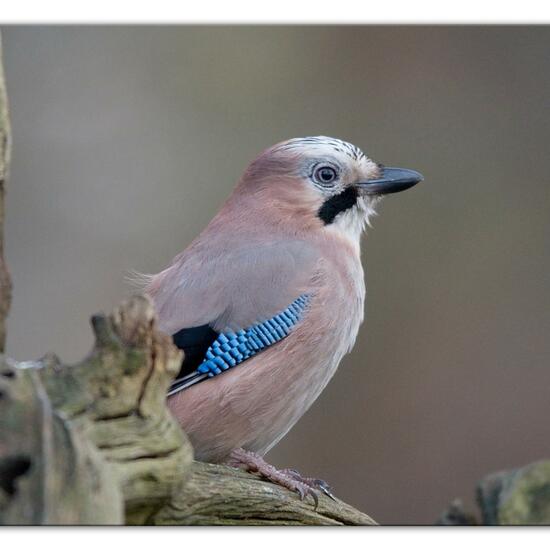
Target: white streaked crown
(322, 143)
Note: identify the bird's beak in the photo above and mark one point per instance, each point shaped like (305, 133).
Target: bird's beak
(392, 180)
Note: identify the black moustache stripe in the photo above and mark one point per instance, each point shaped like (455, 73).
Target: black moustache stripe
(338, 203)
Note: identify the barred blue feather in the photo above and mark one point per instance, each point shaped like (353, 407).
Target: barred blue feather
(230, 348)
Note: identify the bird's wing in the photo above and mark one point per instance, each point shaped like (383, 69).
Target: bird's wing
(250, 297)
(219, 352)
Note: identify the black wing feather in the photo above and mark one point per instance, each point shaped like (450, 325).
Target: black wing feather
(194, 342)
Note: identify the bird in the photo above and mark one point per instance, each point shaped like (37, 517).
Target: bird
(269, 298)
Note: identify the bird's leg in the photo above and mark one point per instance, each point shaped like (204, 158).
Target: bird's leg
(291, 479)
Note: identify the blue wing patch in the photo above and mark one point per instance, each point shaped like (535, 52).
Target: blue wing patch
(230, 348)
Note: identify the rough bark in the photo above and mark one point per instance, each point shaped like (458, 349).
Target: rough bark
(219, 495)
(94, 443)
(5, 145)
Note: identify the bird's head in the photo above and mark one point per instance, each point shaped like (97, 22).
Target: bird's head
(323, 182)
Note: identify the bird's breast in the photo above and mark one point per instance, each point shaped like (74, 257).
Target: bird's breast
(255, 404)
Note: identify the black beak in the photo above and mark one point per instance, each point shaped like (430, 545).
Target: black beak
(392, 180)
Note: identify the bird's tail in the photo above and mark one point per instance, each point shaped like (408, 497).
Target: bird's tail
(140, 281)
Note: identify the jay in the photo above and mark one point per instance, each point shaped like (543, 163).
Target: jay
(267, 300)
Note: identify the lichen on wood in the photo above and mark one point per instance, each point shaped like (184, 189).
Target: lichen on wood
(516, 497)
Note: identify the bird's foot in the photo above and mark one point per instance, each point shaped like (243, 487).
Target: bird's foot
(291, 479)
(312, 482)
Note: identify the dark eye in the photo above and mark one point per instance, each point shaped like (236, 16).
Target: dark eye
(325, 175)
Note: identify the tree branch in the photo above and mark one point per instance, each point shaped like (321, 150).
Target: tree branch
(219, 495)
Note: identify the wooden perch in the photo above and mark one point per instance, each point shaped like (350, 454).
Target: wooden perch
(94, 443)
(219, 495)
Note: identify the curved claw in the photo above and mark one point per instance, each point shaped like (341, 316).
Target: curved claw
(315, 498)
(312, 483)
(313, 493)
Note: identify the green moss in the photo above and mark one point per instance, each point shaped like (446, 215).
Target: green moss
(527, 500)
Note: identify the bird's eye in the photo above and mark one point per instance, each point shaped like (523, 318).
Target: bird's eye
(325, 175)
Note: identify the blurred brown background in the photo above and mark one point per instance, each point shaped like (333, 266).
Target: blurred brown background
(128, 139)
